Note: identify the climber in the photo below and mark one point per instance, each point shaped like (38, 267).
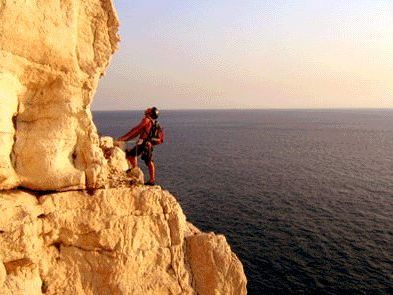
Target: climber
(150, 134)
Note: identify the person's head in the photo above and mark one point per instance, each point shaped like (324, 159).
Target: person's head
(152, 112)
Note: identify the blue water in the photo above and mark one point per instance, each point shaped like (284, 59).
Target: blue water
(305, 198)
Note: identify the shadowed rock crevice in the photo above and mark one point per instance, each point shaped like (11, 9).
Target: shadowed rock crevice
(12, 266)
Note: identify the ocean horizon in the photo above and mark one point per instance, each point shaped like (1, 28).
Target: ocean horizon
(247, 109)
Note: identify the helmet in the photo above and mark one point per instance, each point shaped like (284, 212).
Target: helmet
(153, 112)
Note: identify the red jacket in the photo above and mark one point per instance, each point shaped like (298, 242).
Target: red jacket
(142, 129)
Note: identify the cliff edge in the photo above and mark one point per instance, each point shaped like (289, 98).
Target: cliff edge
(117, 241)
(71, 222)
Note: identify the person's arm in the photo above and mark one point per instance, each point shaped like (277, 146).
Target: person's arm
(134, 132)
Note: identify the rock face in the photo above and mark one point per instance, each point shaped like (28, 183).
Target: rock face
(52, 54)
(117, 241)
(213, 265)
(73, 221)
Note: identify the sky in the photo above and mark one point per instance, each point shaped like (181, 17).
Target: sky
(182, 54)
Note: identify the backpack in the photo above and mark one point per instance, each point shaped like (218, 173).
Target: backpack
(157, 134)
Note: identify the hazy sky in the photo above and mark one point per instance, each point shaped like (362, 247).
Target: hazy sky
(182, 54)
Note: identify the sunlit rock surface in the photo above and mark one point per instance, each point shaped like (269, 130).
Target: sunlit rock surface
(52, 54)
(115, 241)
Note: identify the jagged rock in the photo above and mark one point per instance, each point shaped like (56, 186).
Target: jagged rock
(117, 241)
(214, 265)
(120, 175)
(21, 245)
(137, 174)
(52, 54)
(118, 160)
(106, 143)
(9, 90)
(115, 156)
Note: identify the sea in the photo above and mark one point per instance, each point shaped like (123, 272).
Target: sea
(304, 197)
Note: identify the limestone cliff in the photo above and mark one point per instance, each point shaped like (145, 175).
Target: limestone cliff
(72, 221)
(117, 241)
(52, 54)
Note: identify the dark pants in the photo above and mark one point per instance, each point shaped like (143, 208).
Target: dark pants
(141, 149)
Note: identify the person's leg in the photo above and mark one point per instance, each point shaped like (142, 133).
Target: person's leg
(152, 172)
(147, 156)
(133, 161)
(132, 156)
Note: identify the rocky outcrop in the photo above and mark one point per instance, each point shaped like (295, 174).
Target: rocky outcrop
(73, 221)
(214, 265)
(116, 241)
(52, 54)
(119, 173)
(116, 157)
